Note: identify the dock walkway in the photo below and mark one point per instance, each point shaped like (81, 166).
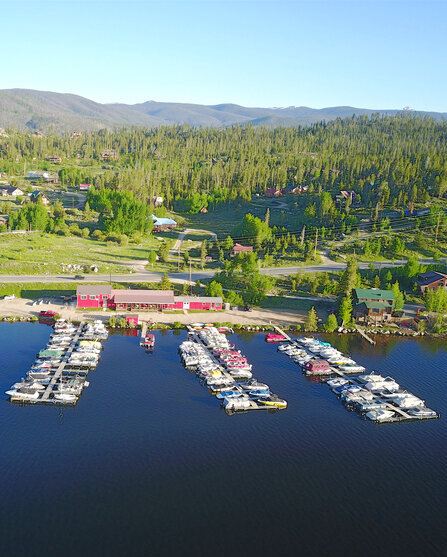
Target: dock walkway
(58, 373)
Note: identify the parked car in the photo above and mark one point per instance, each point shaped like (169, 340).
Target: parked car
(247, 308)
(10, 297)
(79, 277)
(47, 314)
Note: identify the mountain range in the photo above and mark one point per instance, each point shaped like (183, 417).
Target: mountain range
(28, 109)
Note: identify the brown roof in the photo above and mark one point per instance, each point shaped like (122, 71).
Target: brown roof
(94, 289)
(143, 296)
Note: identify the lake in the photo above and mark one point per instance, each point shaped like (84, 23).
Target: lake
(147, 463)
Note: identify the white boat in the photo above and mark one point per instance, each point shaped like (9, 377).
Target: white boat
(65, 397)
(23, 394)
(351, 368)
(422, 412)
(380, 415)
(236, 404)
(407, 400)
(337, 382)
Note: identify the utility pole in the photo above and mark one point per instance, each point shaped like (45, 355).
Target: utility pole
(178, 259)
(437, 228)
(316, 241)
(190, 286)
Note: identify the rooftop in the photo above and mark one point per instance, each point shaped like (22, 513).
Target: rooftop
(143, 296)
(94, 289)
(374, 294)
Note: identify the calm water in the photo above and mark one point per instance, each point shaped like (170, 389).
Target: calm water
(148, 464)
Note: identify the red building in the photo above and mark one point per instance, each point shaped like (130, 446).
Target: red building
(273, 192)
(238, 248)
(103, 296)
(198, 302)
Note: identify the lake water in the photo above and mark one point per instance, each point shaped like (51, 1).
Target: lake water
(148, 463)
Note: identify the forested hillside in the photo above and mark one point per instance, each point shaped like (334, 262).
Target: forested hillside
(390, 161)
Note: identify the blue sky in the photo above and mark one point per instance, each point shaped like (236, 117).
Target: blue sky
(374, 54)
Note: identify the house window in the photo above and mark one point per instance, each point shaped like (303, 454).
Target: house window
(104, 297)
(92, 297)
(83, 297)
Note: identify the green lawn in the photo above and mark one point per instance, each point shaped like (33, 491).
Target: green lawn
(40, 253)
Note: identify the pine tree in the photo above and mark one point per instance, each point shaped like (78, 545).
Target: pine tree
(345, 310)
(311, 323)
(331, 323)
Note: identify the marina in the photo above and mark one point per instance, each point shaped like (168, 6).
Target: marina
(146, 430)
(59, 373)
(226, 372)
(376, 398)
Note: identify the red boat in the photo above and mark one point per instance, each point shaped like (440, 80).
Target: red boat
(149, 341)
(275, 338)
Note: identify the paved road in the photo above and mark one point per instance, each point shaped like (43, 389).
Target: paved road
(149, 276)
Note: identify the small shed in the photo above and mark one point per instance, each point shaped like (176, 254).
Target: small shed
(132, 319)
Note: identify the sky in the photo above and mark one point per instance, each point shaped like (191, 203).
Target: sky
(362, 53)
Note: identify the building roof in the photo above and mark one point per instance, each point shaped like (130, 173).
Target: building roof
(424, 279)
(377, 305)
(239, 247)
(202, 299)
(374, 294)
(159, 221)
(143, 296)
(93, 289)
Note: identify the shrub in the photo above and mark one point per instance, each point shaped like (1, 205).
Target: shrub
(177, 325)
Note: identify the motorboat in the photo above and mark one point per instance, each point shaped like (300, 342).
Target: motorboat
(236, 404)
(407, 400)
(351, 368)
(380, 415)
(30, 385)
(368, 406)
(422, 412)
(65, 397)
(273, 401)
(337, 382)
(229, 394)
(259, 393)
(253, 384)
(23, 394)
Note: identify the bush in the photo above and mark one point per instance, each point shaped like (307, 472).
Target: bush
(98, 235)
(123, 240)
(74, 229)
(85, 232)
(177, 325)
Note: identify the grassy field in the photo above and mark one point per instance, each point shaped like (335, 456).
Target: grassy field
(281, 302)
(40, 253)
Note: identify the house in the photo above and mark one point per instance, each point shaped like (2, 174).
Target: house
(317, 367)
(38, 195)
(163, 224)
(38, 134)
(75, 134)
(103, 296)
(273, 192)
(203, 210)
(84, 187)
(51, 180)
(373, 305)
(93, 296)
(108, 155)
(157, 201)
(238, 248)
(344, 195)
(291, 189)
(431, 280)
(54, 158)
(4, 219)
(36, 175)
(10, 191)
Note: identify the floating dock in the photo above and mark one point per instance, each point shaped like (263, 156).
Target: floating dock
(250, 403)
(353, 378)
(66, 379)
